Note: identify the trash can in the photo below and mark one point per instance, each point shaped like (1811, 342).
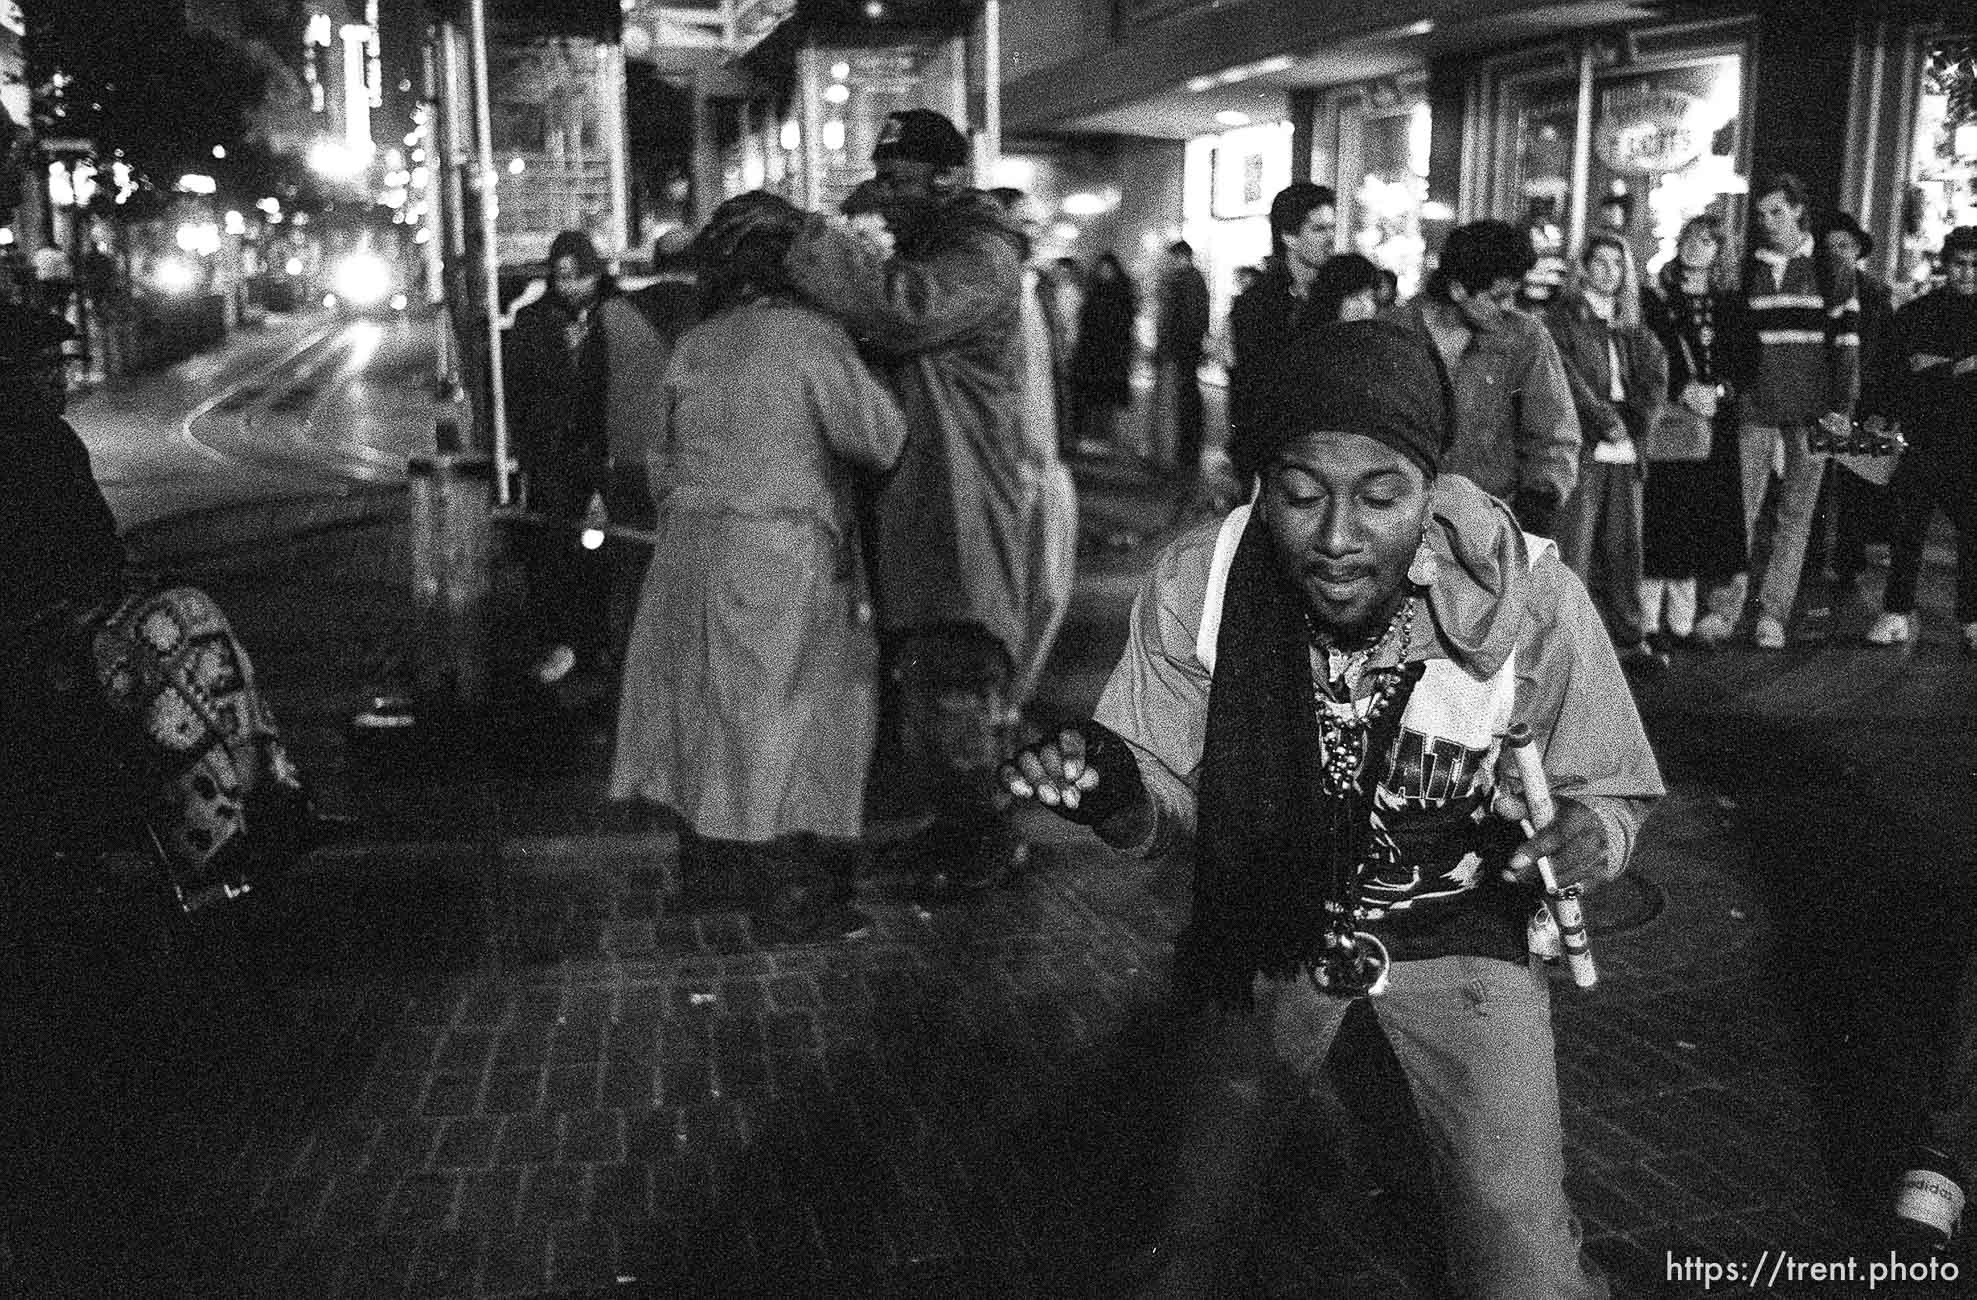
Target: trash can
(452, 561)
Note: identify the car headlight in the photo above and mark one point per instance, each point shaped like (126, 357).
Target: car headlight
(363, 279)
(176, 275)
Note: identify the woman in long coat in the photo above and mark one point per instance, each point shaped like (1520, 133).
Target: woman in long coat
(750, 678)
(1693, 516)
(1102, 361)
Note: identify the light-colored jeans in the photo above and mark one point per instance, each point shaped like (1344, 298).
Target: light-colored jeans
(1798, 499)
(1474, 1037)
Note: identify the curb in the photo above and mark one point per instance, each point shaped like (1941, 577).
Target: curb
(221, 531)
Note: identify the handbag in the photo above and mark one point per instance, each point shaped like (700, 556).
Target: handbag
(1677, 433)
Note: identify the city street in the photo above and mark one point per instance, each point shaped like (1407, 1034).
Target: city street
(307, 405)
(468, 1051)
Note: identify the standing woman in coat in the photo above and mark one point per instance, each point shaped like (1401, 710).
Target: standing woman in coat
(750, 678)
(1619, 381)
(1693, 516)
(1102, 364)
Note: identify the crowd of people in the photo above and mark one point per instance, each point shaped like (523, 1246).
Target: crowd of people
(1488, 505)
(1672, 433)
(1650, 461)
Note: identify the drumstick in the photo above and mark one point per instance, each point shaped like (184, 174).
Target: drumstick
(1564, 903)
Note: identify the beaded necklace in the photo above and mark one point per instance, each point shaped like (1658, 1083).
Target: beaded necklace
(1343, 731)
(1702, 319)
(1352, 962)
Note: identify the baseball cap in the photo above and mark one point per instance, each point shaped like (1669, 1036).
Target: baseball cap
(921, 135)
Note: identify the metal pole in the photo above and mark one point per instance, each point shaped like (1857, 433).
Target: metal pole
(439, 203)
(491, 279)
(706, 167)
(613, 90)
(453, 133)
(1582, 151)
(810, 86)
(450, 229)
(991, 91)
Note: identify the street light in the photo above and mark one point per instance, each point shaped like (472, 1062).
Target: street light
(336, 160)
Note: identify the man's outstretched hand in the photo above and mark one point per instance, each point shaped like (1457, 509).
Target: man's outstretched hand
(1574, 844)
(1084, 773)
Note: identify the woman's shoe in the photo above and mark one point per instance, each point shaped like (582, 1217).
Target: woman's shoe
(1712, 632)
(1642, 659)
(1892, 629)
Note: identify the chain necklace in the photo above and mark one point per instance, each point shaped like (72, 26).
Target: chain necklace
(1343, 727)
(1352, 962)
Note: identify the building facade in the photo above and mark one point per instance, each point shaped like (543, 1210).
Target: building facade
(1561, 117)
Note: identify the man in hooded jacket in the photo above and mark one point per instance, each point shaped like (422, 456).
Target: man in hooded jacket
(554, 368)
(939, 315)
(1319, 687)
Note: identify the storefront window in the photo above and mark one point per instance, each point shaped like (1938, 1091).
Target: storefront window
(1662, 140)
(1942, 189)
(1229, 181)
(1386, 209)
(1546, 135)
(1664, 149)
(1370, 143)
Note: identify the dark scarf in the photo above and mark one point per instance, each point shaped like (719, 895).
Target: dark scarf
(1269, 846)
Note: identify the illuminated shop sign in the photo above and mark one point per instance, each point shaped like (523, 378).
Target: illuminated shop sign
(1644, 130)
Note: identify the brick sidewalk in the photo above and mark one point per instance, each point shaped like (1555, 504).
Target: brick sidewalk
(474, 1056)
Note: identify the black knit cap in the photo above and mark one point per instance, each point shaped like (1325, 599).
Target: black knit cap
(1370, 377)
(921, 135)
(575, 243)
(27, 335)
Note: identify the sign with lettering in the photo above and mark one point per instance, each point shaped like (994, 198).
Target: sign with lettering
(1646, 130)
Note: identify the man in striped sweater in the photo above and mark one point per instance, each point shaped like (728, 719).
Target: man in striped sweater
(1807, 336)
